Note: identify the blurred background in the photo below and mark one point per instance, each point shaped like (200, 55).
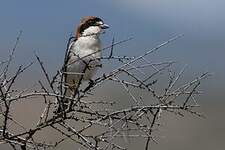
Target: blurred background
(46, 26)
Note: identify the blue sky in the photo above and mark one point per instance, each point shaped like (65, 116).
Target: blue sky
(46, 25)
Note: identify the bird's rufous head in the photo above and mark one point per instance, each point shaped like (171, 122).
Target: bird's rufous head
(90, 25)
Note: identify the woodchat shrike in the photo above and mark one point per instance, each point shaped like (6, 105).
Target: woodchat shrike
(84, 53)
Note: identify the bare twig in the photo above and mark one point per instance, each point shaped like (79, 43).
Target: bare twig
(85, 113)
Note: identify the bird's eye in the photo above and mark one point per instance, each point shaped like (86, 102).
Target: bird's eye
(92, 22)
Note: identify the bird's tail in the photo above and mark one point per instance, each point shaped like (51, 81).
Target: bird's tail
(67, 100)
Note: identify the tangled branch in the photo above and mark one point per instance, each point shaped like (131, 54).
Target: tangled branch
(135, 75)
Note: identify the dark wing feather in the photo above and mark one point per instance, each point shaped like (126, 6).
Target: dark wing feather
(67, 55)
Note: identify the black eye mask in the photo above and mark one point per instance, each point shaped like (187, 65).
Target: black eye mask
(93, 22)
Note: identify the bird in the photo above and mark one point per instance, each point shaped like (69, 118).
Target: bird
(84, 53)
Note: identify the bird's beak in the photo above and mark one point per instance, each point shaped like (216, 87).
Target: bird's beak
(104, 26)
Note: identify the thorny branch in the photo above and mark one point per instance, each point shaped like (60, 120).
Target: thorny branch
(135, 75)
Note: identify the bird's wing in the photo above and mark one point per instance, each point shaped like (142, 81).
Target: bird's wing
(70, 46)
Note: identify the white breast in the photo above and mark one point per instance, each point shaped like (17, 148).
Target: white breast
(84, 57)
